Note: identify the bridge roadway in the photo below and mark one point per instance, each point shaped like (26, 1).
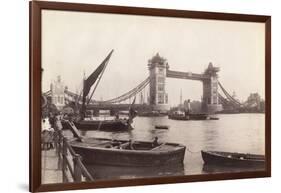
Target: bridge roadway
(118, 107)
(186, 75)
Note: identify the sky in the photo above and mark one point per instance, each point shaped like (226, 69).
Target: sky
(74, 43)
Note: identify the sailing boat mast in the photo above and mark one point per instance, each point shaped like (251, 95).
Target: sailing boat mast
(99, 78)
(87, 83)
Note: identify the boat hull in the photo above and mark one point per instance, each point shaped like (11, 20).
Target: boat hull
(161, 127)
(151, 114)
(112, 125)
(136, 158)
(189, 117)
(232, 159)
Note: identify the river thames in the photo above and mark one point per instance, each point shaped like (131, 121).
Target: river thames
(243, 133)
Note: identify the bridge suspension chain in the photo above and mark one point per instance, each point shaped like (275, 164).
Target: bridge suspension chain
(120, 98)
(225, 101)
(128, 94)
(228, 96)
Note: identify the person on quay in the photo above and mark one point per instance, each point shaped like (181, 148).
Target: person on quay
(52, 120)
(44, 134)
(57, 130)
(51, 137)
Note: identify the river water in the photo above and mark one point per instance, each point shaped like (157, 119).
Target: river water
(243, 133)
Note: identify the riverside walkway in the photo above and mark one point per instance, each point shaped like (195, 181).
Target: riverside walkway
(62, 164)
(51, 170)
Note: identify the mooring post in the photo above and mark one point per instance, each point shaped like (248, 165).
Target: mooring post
(77, 168)
(64, 157)
(59, 150)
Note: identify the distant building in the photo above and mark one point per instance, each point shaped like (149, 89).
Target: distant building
(58, 96)
(195, 106)
(254, 101)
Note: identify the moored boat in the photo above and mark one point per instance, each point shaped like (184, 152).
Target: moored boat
(161, 127)
(105, 125)
(151, 114)
(213, 118)
(116, 124)
(124, 153)
(199, 116)
(232, 159)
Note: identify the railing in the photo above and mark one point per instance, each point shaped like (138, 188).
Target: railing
(70, 161)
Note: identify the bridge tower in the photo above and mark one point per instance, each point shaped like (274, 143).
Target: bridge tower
(57, 93)
(210, 101)
(158, 67)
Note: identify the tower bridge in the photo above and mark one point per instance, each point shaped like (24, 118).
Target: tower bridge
(159, 73)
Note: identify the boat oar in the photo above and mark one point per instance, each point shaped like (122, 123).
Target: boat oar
(74, 131)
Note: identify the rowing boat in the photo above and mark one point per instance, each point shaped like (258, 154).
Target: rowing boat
(124, 153)
(232, 159)
(161, 127)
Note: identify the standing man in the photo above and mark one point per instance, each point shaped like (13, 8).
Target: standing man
(52, 120)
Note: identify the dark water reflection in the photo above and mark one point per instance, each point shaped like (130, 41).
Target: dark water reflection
(207, 169)
(232, 132)
(112, 172)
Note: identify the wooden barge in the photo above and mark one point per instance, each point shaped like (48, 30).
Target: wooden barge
(121, 153)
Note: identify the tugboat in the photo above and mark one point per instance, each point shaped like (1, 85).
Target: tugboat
(186, 117)
(187, 114)
(115, 124)
(151, 114)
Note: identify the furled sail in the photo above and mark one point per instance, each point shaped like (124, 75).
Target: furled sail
(92, 79)
(132, 112)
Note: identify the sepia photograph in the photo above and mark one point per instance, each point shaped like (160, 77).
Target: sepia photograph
(136, 96)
